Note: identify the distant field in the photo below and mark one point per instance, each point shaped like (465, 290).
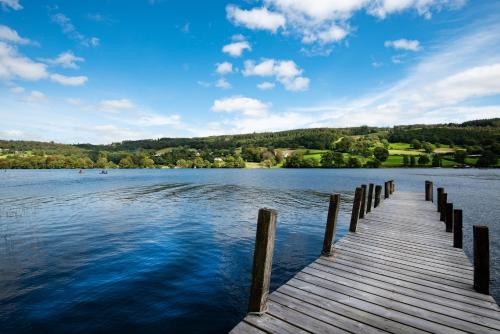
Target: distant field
(393, 161)
(405, 152)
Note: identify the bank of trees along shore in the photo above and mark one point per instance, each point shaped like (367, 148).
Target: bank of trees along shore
(475, 143)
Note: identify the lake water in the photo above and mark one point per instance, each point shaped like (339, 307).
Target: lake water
(171, 250)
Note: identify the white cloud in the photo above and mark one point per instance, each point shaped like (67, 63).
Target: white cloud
(74, 101)
(157, 120)
(403, 44)
(236, 49)
(11, 134)
(10, 35)
(297, 84)
(18, 90)
(16, 66)
(239, 104)
(222, 83)
(224, 68)
(323, 22)
(69, 30)
(204, 83)
(12, 4)
(66, 60)
(285, 71)
(110, 133)
(69, 81)
(116, 105)
(35, 96)
(266, 85)
(256, 18)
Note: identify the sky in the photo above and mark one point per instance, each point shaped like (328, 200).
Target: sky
(102, 71)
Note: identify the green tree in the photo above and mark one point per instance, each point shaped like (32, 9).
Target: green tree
(436, 161)
(344, 145)
(327, 159)
(126, 162)
(416, 144)
(423, 160)
(460, 156)
(406, 160)
(381, 153)
(487, 159)
(413, 161)
(353, 162)
(338, 159)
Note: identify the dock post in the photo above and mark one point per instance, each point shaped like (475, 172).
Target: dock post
(457, 229)
(448, 220)
(331, 225)
(363, 202)
(355, 209)
(444, 200)
(262, 261)
(378, 191)
(428, 190)
(481, 259)
(392, 187)
(370, 196)
(440, 192)
(386, 189)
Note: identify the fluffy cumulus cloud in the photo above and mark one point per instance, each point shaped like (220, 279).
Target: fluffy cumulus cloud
(69, 81)
(223, 84)
(403, 44)
(65, 60)
(284, 71)
(266, 85)
(116, 105)
(243, 105)
(325, 21)
(256, 18)
(237, 46)
(14, 65)
(11, 36)
(11, 4)
(224, 68)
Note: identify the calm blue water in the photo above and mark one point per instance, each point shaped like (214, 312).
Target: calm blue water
(171, 250)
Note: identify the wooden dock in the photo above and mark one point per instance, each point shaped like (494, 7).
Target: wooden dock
(398, 273)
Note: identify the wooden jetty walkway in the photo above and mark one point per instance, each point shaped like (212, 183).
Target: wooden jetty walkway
(398, 270)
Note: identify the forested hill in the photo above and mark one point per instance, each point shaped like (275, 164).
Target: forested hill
(309, 147)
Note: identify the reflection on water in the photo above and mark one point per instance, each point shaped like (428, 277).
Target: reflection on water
(170, 250)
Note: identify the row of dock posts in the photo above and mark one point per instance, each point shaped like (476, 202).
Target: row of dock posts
(364, 196)
(362, 205)
(452, 219)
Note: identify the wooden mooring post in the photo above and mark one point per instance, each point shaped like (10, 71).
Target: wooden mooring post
(370, 196)
(331, 225)
(428, 191)
(440, 192)
(362, 208)
(457, 229)
(386, 190)
(448, 220)
(355, 209)
(378, 192)
(262, 261)
(444, 200)
(392, 187)
(481, 259)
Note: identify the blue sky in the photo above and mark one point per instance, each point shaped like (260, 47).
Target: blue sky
(102, 71)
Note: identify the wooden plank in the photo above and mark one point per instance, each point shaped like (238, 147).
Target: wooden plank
(427, 291)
